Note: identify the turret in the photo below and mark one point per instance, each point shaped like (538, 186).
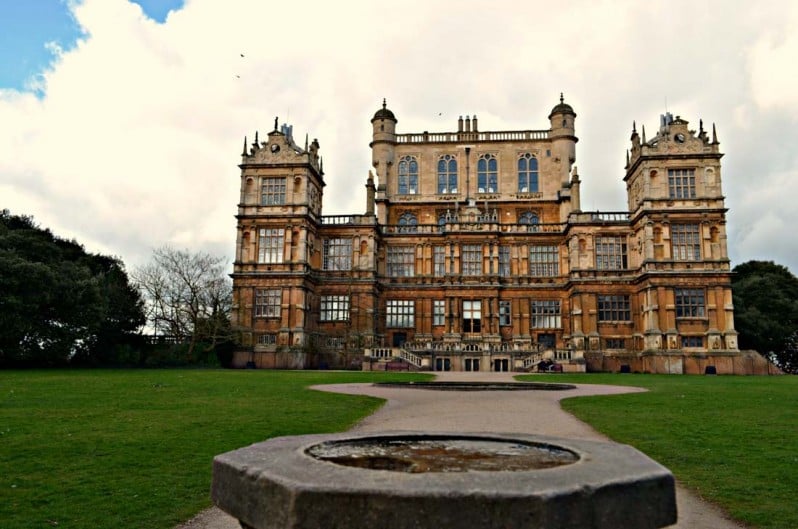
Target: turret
(562, 134)
(383, 141)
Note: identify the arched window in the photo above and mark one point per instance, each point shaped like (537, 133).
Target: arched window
(408, 223)
(487, 174)
(530, 219)
(527, 173)
(447, 174)
(408, 175)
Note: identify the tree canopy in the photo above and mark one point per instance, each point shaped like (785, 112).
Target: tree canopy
(766, 311)
(187, 298)
(58, 303)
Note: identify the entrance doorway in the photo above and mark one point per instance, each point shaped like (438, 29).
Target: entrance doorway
(443, 364)
(471, 364)
(399, 339)
(501, 364)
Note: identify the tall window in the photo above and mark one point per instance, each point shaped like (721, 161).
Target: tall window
(447, 174)
(472, 259)
(272, 191)
(527, 173)
(270, 245)
(408, 223)
(439, 261)
(545, 314)
(614, 308)
(681, 183)
(504, 261)
(692, 341)
(337, 254)
(401, 261)
(438, 312)
(267, 302)
(611, 253)
(504, 313)
(472, 316)
(686, 242)
(400, 313)
(689, 302)
(544, 261)
(487, 171)
(408, 175)
(334, 308)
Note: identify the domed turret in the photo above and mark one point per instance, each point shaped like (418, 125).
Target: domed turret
(383, 113)
(563, 137)
(562, 108)
(383, 141)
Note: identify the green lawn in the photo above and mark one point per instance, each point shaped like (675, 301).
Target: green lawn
(733, 440)
(133, 448)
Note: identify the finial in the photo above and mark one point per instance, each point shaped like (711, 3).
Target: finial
(714, 135)
(562, 99)
(306, 142)
(321, 164)
(627, 157)
(244, 152)
(644, 133)
(383, 102)
(275, 122)
(634, 127)
(701, 126)
(256, 139)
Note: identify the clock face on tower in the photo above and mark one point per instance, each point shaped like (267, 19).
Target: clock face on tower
(275, 148)
(679, 138)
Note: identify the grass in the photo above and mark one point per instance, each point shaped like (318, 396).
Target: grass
(732, 440)
(133, 448)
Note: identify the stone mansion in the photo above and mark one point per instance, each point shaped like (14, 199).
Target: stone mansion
(473, 253)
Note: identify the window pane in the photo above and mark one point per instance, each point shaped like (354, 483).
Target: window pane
(544, 261)
(270, 245)
(272, 191)
(337, 254)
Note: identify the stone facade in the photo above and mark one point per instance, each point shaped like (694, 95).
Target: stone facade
(474, 253)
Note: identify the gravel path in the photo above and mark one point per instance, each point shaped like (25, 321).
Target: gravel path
(535, 412)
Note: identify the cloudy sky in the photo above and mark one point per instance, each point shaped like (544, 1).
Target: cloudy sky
(121, 122)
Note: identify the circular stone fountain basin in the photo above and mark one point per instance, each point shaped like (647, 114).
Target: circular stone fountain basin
(479, 386)
(486, 481)
(445, 454)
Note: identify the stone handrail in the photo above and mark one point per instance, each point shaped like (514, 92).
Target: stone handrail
(455, 137)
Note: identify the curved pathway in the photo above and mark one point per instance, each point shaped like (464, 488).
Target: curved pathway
(534, 412)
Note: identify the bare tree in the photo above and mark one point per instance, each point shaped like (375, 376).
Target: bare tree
(187, 296)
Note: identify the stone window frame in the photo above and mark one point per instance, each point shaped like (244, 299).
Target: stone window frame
(268, 302)
(545, 314)
(438, 312)
(686, 242)
(271, 243)
(408, 222)
(505, 313)
(334, 308)
(681, 183)
(272, 190)
(504, 261)
(400, 261)
(472, 315)
(544, 260)
(407, 181)
(447, 174)
(471, 260)
(487, 173)
(613, 307)
(692, 341)
(689, 303)
(400, 313)
(528, 176)
(439, 260)
(612, 252)
(336, 254)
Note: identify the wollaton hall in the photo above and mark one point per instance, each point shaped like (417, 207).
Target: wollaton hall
(473, 253)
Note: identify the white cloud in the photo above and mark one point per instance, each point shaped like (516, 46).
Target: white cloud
(136, 139)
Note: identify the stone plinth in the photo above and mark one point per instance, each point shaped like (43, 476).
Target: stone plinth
(277, 484)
